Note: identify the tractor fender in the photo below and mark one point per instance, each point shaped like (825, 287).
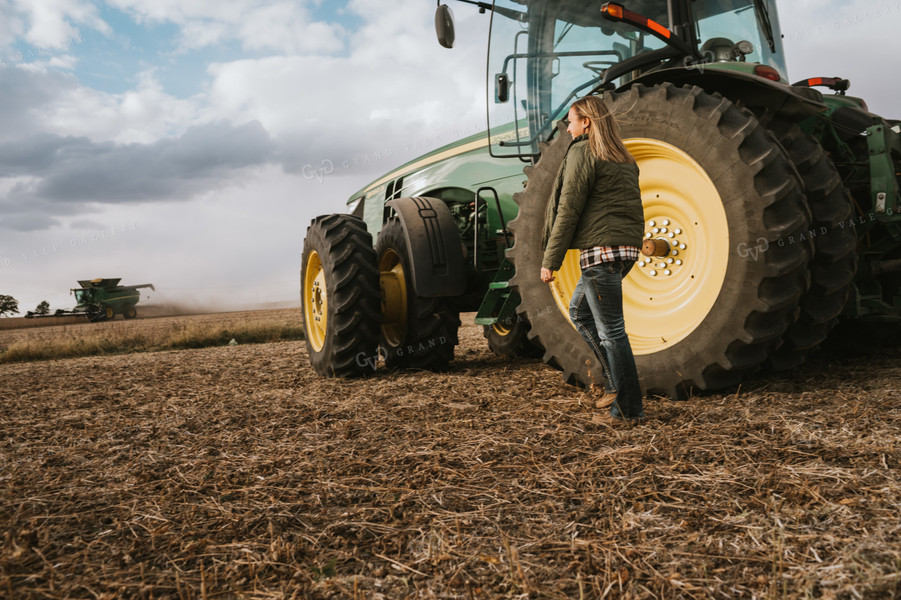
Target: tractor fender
(436, 253)
(794, 103)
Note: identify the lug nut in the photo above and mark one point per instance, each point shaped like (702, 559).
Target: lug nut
(666, 221)
(678, 231)
(667, 272)
(653, 273)
(651, 223)
(679, 262)
(682, 246)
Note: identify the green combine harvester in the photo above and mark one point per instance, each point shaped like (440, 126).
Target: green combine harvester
(772, 208)
(103, 299)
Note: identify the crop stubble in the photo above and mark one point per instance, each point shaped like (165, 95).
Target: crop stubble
(237, 472)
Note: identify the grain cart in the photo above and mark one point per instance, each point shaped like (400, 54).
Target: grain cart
(103, 299)
(771, 208)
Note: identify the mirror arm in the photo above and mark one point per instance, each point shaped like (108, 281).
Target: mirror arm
(506, 12)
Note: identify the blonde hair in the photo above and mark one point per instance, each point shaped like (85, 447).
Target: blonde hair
(604, 138)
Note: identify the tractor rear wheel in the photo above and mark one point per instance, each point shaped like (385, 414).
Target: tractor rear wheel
(340, 296)
(417, 332)
(834, 261)
(130, 312)
(719, 193)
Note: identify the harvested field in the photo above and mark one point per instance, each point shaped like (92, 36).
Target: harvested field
(237, 472)
(23, 323)
(165, 333)
(46, 330)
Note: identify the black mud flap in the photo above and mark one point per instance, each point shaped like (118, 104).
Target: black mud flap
(434, 244)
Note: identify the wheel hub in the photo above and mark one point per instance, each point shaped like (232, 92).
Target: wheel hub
(665, 251)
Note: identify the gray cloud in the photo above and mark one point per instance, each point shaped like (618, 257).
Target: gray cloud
(69, 174)
(24, 92)
(28, 222)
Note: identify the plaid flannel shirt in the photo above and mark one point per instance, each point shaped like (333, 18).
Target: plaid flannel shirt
(600, 254)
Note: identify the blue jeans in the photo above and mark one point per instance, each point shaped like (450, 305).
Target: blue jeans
(596, 309)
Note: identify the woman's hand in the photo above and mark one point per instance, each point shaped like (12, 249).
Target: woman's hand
(547, 275)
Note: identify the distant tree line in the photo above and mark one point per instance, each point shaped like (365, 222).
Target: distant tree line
(8, 305)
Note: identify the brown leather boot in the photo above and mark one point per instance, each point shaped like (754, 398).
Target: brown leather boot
(606, 401)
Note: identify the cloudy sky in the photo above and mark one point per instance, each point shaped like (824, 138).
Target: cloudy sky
(188, 143)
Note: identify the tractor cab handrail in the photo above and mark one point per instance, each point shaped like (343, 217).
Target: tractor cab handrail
(518, 55)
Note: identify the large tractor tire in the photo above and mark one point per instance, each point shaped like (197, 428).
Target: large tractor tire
(511, 339)
(130, 312)
(340, 297)
(721, 193)
(834, 261)
(417, 332)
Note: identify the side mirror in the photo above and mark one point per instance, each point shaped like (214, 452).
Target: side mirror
(444, 25)
(501, 88)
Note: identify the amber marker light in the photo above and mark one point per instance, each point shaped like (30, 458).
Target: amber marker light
(767, 73)
(614, 10)
(833, 83)
(617, 12)
(659, 28)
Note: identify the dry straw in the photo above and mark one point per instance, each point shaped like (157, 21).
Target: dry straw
(91, 339)
(236, 472)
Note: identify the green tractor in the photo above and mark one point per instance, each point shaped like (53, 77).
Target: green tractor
(102, 299)
(772, 209)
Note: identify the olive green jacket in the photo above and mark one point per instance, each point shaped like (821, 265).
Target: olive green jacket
(593, 203)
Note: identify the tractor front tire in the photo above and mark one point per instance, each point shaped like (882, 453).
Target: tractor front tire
(725, 198)
(340, 297)
(417, 332)
(130, 312)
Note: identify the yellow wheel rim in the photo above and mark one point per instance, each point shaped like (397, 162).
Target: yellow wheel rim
(393, 282)
(315, 302)
(110, 313)
(501, 330)
(665, 298)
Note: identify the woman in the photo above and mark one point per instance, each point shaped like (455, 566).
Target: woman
(596, 207)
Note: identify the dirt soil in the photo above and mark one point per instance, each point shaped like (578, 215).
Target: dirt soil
(237, 472)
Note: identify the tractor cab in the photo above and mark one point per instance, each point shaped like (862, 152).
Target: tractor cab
(544, 54)
(83, 296)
